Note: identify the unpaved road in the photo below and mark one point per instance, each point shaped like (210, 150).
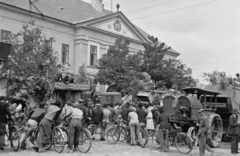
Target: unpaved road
(100, 148)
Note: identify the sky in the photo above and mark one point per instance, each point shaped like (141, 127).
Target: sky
(206, 33)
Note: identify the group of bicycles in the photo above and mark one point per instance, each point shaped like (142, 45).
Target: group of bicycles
(117, 131)
(120, 132)
(58, 140)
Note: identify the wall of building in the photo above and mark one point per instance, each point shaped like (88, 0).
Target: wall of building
(12, 20)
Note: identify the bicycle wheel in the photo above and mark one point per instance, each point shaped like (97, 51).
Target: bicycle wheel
(14, 138)
(85, 141)
(144, 135)
(155, 140)
(58, 140)
(112, 135)
(122, 134)
(183, 143)
(48, 142)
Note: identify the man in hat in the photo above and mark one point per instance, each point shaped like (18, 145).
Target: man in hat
(234, 131)
(4, 113)
(45, 126)
(35, 117)
(163, 120)
(97, 115)
(203, 132)
(83, 108)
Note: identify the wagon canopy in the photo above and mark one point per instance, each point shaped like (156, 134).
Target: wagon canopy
(199, 92)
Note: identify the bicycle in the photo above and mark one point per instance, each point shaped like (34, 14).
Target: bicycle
(180, 140)
(84, 143)
(121, 132)
(13, 136)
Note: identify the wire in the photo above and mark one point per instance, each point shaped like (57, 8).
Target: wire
(189, 17)
(174, 10)
(150, 6)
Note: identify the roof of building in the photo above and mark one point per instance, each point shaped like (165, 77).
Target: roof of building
(71, 11)
(65, 10)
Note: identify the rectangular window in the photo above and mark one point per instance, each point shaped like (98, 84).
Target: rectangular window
(65, 53)
(48, 44)
(5, 35)
(93, 55)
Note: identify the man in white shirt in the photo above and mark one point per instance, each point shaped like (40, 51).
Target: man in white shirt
(75, 127)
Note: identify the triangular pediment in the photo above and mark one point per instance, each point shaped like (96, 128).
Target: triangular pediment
(117, 24)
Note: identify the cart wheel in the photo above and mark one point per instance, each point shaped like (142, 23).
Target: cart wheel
(183, 143)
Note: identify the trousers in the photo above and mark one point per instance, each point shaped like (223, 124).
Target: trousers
(234, 142)
(202, 144)
(135, 127)
(163, 136)
(45, 131)
(74, 132)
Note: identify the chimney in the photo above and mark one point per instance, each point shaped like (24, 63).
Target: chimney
(97, 4)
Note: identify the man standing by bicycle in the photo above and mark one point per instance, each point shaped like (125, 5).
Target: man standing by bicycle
(163, 120)
(105, 121)
(35, 117)
(75, 127)
(4, 113)
(46, 124)
(203, 132)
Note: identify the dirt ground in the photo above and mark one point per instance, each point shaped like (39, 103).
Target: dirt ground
(103, 148)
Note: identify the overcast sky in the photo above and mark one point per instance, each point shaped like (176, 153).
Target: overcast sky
(205, 32)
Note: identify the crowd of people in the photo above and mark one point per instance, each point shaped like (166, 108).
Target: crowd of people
(79, 115)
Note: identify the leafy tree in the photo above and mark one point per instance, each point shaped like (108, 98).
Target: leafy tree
(217, 77)
(175, 74)
(32, 64)
(120, 67)
(168, 73)
(82, 77)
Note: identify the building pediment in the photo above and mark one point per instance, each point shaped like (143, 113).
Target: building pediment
(115, 23)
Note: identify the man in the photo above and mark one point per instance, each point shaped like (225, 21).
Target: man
(4, 113)
(35, 117)
(234, 131)
(89, 113)
(74, 127)
(125, 111)
(67, 110)
(97, 115)
(163, 120)
(45, 126)
(203, 132)
(141, 115)
(105, 121)
(83, 108)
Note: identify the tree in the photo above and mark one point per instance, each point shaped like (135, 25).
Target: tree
(120, 67)
(32, 65)
(168, 73)
(217, 77)
(82, 77)
(175, 74)
(152, 58)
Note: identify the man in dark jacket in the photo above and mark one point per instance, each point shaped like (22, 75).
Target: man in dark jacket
(97, 114)
(4, 113)
(202, 133)
(163, 120)
(141, 114)
(125, 111)
(35, 117)
(234, 131)
(83, 108)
